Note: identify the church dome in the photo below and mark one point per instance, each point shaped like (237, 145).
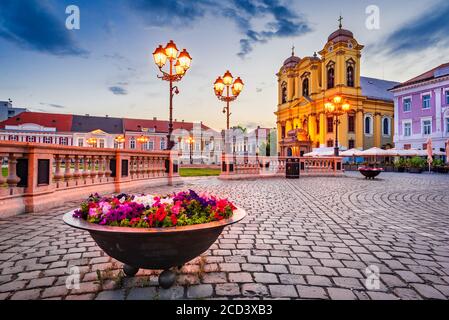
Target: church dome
(292, 61)
(341, 35)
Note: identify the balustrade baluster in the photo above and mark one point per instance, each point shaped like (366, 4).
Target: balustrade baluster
(12, 180)
(67, 170)
(76, 172)
(58, 173)
(2, 178)
(108, 171)
(101, 167)
(93, 168)
(86, 171)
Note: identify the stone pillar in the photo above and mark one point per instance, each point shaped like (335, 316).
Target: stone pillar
(312, 127)
(343, 130)
(377, 130)
(108, 171)
(322, 129)
(359, 129)
(2, 179)
(86, 172)
(101, 166)
(93, 170)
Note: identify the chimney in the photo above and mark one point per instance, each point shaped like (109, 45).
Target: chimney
(87, 115)
(154, 118)
(107, 116)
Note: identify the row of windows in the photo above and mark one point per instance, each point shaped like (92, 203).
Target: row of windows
(147, 146)
(50, 140)
(426, 127)
(425, 102)
(368, 127)
(350, 82)
(351, 143)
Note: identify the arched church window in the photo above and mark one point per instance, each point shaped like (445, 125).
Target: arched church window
(368, 125)
(284, 93)
(386, 126)
(350, 75)
(330, 77)
(305, 87)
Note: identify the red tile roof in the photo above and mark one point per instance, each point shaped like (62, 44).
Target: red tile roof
(423, 77)
(62, 122)
(136, 125)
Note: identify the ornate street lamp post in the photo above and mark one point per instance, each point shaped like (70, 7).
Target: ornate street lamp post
(179, 63)
(337, 107)
(228, 82)
(191, 141)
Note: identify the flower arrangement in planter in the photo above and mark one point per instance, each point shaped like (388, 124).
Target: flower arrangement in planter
(155, 232)
(370, 172)
(148, 211)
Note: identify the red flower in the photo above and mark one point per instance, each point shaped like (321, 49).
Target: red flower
(174, 220)
(161, 214)
(134, 221)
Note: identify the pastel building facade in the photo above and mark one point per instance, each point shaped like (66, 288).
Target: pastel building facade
(422, 110)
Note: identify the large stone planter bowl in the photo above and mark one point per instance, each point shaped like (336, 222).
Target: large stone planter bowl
(370, 174)
(154, 248)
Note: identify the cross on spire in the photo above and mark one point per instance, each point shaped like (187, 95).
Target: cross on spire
(293, 50)
(340, 20)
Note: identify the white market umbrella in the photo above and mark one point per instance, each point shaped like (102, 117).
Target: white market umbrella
(349, 153)
(373, 152)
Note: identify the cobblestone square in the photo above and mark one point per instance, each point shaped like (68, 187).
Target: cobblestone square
(312, 238)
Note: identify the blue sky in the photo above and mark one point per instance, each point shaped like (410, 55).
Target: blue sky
(106, 67)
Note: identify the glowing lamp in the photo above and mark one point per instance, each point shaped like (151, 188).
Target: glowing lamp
(337, 99)
(184, 59)
(346, 107)
(219, 85)
(227, 78)
(171, 50)
(179, 69)
(160, 58)
(330, 107)
(238, 85)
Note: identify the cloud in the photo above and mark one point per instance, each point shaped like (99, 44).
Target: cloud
(52, 105)
(427, 30)
(118, 91)
(284, 22)
(31, 25)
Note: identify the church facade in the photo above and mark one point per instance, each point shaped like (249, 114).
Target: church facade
(306, 84)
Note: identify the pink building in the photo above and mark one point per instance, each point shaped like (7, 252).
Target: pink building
(422, 110)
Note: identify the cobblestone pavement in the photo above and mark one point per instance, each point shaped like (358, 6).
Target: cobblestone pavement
(307, 239)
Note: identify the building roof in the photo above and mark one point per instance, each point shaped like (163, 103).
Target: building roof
(160, 126)
(90, 123)
(377, 89)
(291, 61)
(440, 71)
(62, 122)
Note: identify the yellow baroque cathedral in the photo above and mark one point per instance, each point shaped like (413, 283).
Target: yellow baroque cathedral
(307, 84)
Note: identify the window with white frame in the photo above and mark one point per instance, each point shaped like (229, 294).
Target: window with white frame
(447, 97)
(386, 126)
(64, 141)
(407, 129)
(102, 143)
(13, 138)
(426, 125)
(132, 143)
(80, 142)
(407, 104)
(150, 145)
(162, 144)
(48, 140)
(31, 139)
(426, 101)
(368, 125)
(447, 125)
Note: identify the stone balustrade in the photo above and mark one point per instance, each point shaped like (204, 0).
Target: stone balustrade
(39, 176)
(263, 167)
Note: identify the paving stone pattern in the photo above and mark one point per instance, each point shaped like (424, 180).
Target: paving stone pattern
(311, 238)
